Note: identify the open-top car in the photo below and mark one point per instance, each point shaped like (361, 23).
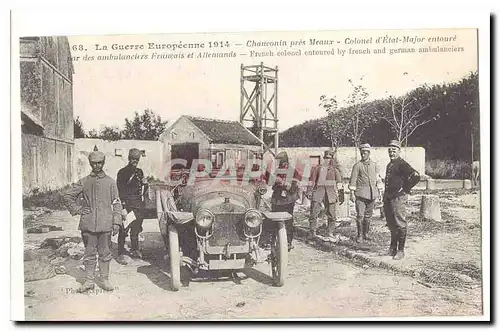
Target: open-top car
(218, 224)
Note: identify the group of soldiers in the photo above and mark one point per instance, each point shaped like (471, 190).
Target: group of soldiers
(366, 190)
(103, 203)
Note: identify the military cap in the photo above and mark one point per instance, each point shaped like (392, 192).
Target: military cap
(282, 156)
(365, 147)
(134, 153)
(395, 143)
(96, 156)
(329, 154)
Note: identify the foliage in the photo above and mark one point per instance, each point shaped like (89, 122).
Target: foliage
(145, 126)
(406, 113)
(350, 121)
(450, 117)
(110, 133)
(79, 132)
(448, 169)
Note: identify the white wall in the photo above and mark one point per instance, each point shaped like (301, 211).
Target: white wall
(415, 156)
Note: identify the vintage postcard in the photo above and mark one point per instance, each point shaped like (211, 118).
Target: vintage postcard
(314, 174)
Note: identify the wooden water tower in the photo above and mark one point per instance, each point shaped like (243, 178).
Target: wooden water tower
(259, 108)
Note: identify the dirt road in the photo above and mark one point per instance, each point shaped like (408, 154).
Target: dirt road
(318, 285)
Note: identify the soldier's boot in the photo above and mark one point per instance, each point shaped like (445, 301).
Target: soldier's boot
(88, 284)
(394, 244)
(105, 284)
(366, 229)
(121, 259)
(401, 245)
(134, 242)
(358, 226)
(313, 228)
(330, 229)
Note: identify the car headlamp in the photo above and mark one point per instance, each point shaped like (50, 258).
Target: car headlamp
(204, 218)
(253, 218)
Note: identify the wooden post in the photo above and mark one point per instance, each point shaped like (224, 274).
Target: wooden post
(467, 184)
(430, 209)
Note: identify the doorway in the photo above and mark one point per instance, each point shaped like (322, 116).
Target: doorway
(185, 151)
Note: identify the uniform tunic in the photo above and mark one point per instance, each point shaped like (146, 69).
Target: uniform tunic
(129, 181)
(323, 188)
(399, 180)
(100, 195)
(364, 178)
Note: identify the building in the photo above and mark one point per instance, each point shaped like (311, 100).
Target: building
(46, 112)
(192, 138)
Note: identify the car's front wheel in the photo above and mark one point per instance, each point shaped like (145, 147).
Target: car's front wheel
(279, 253)
(175, 257)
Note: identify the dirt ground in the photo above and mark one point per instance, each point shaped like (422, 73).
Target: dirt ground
(451, 245)
(319, 284)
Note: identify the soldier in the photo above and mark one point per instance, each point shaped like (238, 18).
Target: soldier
(365, 186)
(285, 194)
(131, 182)
(323, 186)
(400, 178)
(100, 218)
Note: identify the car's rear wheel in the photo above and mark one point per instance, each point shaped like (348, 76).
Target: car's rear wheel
(279, 251)
(175, 257)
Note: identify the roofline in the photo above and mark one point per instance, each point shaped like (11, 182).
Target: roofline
(177, 121)
(257, 138)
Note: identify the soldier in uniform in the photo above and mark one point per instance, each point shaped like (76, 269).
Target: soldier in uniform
(365, 186)
(286, 192)
(100, 218)
(400, 178)
(131, 184)
(324, 187)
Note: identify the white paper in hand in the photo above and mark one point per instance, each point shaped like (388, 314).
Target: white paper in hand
(114, 239)
(129, 219)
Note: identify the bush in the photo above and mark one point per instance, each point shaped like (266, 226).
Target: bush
(448, 169)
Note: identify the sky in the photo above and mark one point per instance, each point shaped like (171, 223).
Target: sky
(106, 91)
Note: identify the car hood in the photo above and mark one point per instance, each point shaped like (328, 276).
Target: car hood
(218, 196)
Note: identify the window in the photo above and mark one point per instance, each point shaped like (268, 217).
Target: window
(173, 135)
(218, 159)
(191, 135)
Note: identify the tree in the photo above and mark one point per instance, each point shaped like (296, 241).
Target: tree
(361, 112)
(336, 123)
(110, 133)
(350, 121)
(79, 132)
(93, 134)
(145, 126)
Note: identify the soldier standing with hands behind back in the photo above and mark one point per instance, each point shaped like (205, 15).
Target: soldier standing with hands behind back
(100, 218)
(131, 184)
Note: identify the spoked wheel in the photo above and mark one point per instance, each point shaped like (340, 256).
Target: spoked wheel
(279, 255)
(175, 257)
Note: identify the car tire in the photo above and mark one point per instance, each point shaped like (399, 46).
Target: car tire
(280, 259)
(175, 258)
